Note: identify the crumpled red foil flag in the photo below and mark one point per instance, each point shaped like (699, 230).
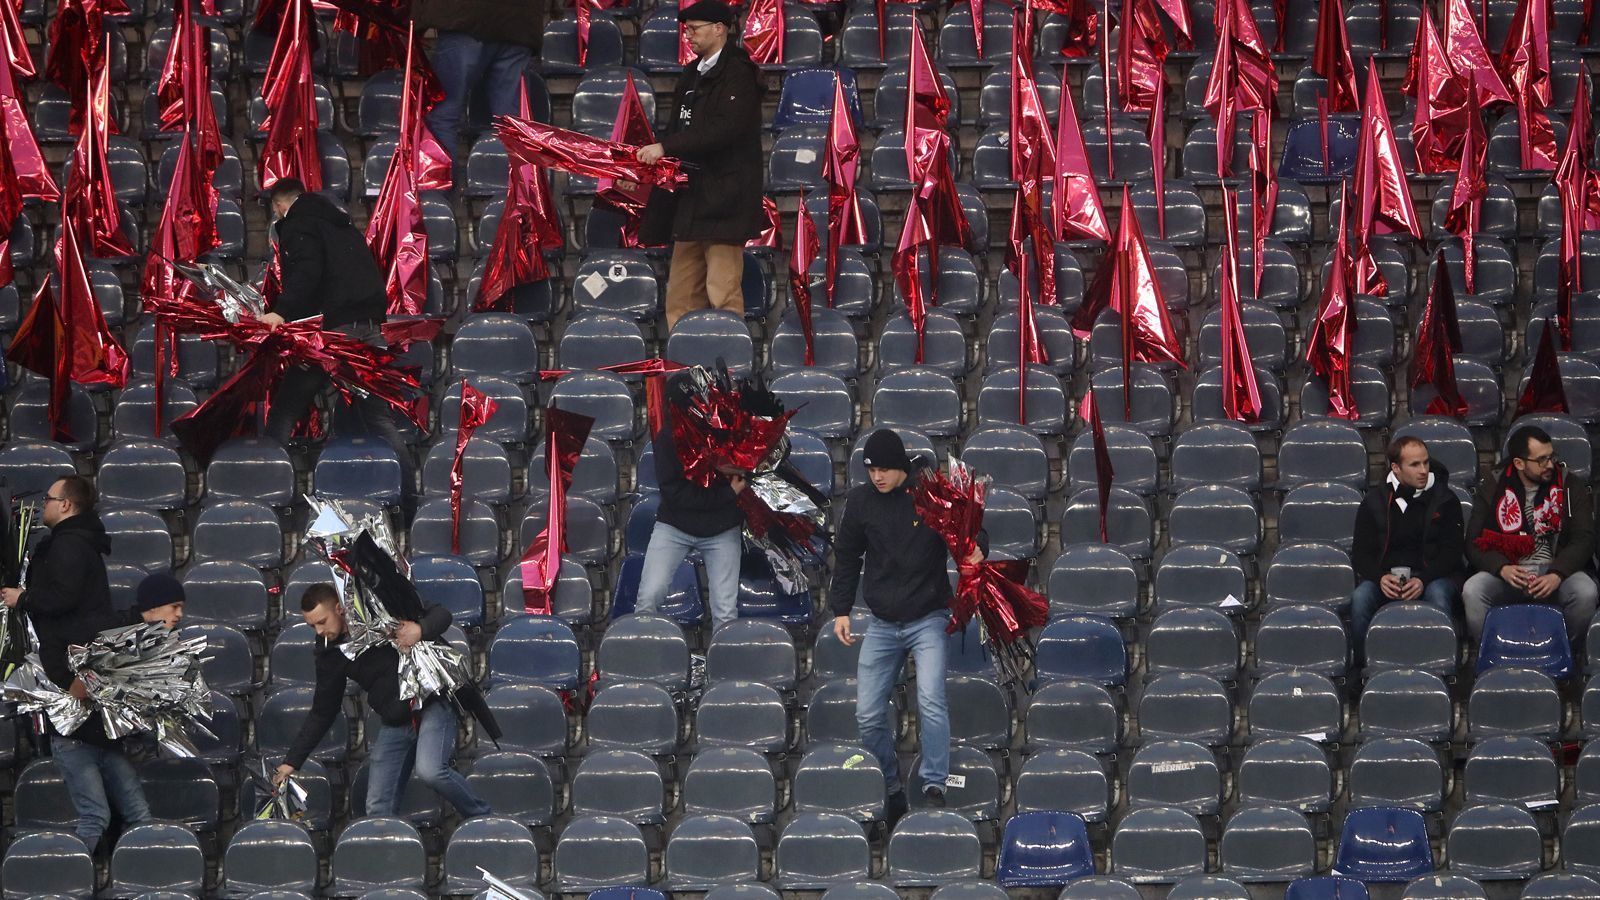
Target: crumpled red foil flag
(1155, 130)
(632, 128)
(395, 233)
(1463, 46)
(1242, 76)
(1263, 194)
(1331, 59)
(183, 91)
(79, 47)
(1031, 349)
(763, 32)
(540, 566)
(1525, 63)
(839, 169)
(477, 408)
(1466, 198)
(14, 54)
(1544, 391)
(1443, 102)
(686, 52)
(538, 144)
(1141, 55)
(952, 505)
(1438, 339)
(10, 206)
(528, 227)
(771, 236)
(1380, 188)
(66, 339)
(1575, 185)
(16, 131)
(379, 27)
(1033, 162)
(583, 12)
(288, 93)
(1082, 34)
(1332, 339)
(90, 198)
(1104, 474)
(1241, 395)
(1075, 209)
(805, 253)
(715, 432)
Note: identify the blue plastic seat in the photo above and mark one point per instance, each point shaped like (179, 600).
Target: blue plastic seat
(1082, 648)
(1529, 636)
(1384, 844)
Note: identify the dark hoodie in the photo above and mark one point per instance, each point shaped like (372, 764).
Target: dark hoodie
(68, 598)
(1427, 532)
(327, 268)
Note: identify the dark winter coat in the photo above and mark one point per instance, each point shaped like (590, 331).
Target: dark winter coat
(717, 131)
(68, 599)
(327, 267)
(686, 506)
(490, 21)
(1574, 548)
(1442, 539)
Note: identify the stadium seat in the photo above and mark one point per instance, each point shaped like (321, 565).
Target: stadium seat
(495, 844)
(270, 855)
(1158, 845)
(1302, 636)
(819, 850)
(1529, 636)
(1495, 842)
(1193, 639)
(932, 847)
(1178, 774)
(708, 851)
(1383, 844)
(1072, 715)
(1268, 843)
(157, 857)
(47, 863)
(1406, 703)
(1287, 772)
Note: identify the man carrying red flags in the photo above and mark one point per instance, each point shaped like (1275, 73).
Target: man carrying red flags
(718, 132)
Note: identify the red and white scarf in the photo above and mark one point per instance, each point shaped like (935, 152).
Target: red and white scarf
(1510, 531)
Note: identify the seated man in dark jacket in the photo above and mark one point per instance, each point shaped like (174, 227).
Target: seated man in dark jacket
(328, 271)
(907, 589)
(68, 600)
(1408, 539)
(425, 738)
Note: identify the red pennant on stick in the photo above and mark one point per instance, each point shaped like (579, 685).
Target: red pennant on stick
(1156, 131)
(763, 32)
(1332, 337)
(1438, 339)
(1033, 162)
(1031, 349)
(1443, 102)
(80, 46)
(1463, 46)
(1544, 391)
(1242, 76)
(1331, 58)
(805, 253)
(1075, 202)
(528, 228)
(1263, 195)
(839, 170)
(1141, 56)
(1104, 474)
(477, 408)
(632, 128)
(1380, 188)
(1575, 186)
(14, 53)
(395, 233)
(16, 131)
(540, 566)
(288, 93)
(1466, 198)
(1241, 395)
(90, 199)
(10, 209)
(1525, 63)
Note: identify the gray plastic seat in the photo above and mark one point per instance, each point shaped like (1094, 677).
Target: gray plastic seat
(752, 891)
(53, 863)
(182, 790)
(1495, 842)
(1072, 715)
(1129, 525)
(860, 890)
(1185, 706)
(1222, 453)
(980, 713)
(730, 781)
(1100, 887)
(917, 399)
(251, 469)
(819, 850)
(1412, 636)
(1151, 401)
(968, 890)
(239, 530)
(520, 784)
(1309, 573)
(1066, 780)
(1193, 639)
(1515, 770)
(1285, 704)
(1206, 400)
(148, 474)
(1268, 843)
(708, 851)
(1215, 514)
(532, 717)
(701, 337)
(139, 537)
(157, 857)
(1291, 772)
(604, 397)
(270, 855)
(835, 350)
(1397, 771)
(743, 714)
(1179, 774)
(752, 650)
(1309, 638)
(1013, 457)
(1514, 701)
(378, 853)
(226, 591)
(1580, 841)
(1319, 513)
(1561, 886)
(1208, 887)
(931, 847)
(595, 852)
(644, 648)
(621, 783)
(1133, 460)
(1406, 703)
(1055, 333)
(1316, 450)
(840, 779)
(633, 716)
(1201, 575)
(1093, 579)
(1264, 331)
(822, 402)
(944, 345)
(1047, 405)
(1441, 886)
(1158, 845)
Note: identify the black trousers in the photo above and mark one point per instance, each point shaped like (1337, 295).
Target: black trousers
(300, 386)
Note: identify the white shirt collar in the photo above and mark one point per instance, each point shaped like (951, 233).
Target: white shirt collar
(706, 64)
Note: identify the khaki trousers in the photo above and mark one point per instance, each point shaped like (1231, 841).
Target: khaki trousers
(704, 275)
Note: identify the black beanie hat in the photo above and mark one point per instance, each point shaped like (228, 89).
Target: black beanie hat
(708, 11)
(157, 590)
(885, 450)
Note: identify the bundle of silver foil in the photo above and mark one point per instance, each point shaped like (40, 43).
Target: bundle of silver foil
(284, 801)
(788, 557)
(33, 692)
(146, 679)
(237, 301)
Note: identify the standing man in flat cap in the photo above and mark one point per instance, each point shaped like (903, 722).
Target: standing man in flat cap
(717, 132)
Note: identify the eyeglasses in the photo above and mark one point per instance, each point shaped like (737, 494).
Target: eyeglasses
(699, 26)
(48, 498)
(1544, 460)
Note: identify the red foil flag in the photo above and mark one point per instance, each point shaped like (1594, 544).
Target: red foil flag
(763, 32)
(1242, 76)
(395, 233)
(10, 207)
(1083, 25)
(540, 566)
(90, 199)
(1155, 130)
(1030, 348)
(716, 432)
(1380, 188)
(1126, 282)
(528, 227)
(288, 93)
(1075, 202)
(976, 9)
(1332, 337)
(1574, 186)
(686, 52)
(1544, 391)
(1241, 395)
(14, 54)
(771, 236)
(655, 373)
(1331, 58)
(1438, 339)
(477, 408)
(1525, 63)
(538, 144)
(380, 28)
(1141, 56)
(805, 253)
(1104, 474)
(583, 11)
(952, 506)
(1466, 198)
(633, 128)
(1033, 162)
(906, 265)
(1443, 103)
(839, 169)
(1263, 194)
(79, 47)
(16, 130)
(1463, 46)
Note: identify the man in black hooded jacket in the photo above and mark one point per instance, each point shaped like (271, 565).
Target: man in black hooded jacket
(328, 270)
(68, 600)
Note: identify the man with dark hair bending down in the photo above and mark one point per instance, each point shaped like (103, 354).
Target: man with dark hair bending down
(424, 738)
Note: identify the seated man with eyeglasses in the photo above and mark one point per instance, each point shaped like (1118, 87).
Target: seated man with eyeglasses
(1531, 537)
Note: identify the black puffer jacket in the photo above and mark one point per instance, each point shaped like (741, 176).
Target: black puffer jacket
(327, 267)
(717, 131)
(1442, 538)
(68, 599)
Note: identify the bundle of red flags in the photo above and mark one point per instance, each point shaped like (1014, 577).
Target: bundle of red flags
(632, 129)
(537, 144)
(952, 505)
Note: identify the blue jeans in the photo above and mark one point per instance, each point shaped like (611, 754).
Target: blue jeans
(97, 779)
(430, 748)
(1440, 593)
(883, 654)
(464, 64)
(721, 554)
